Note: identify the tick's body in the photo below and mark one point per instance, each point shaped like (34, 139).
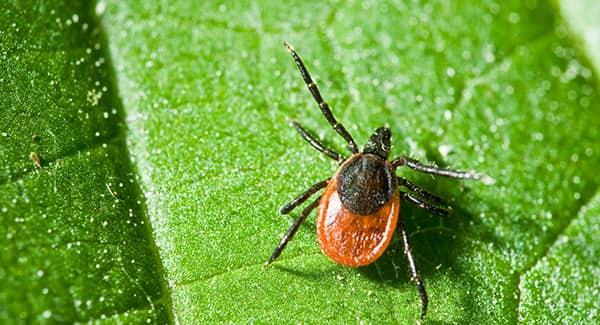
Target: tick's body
(359, 209)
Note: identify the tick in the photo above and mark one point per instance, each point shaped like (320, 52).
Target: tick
(359, 210)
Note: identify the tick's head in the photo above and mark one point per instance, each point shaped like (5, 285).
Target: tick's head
(379, 143)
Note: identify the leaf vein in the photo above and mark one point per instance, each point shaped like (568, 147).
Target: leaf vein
(518, 277)
(482, 78)
(241, 267)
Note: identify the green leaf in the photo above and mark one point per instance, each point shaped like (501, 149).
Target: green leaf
(74, 236)
(497, 88)
(208, 90)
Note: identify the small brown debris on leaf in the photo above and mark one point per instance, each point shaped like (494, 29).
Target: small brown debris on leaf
(37, 162)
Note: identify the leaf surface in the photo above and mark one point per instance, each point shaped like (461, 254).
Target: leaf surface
(75, 242)
(200, 95)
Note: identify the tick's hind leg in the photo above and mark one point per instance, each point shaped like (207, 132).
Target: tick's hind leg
(410, 197)
(414, 273)
(292, 231)
(303, 197)
(416, 189)
(317, 144)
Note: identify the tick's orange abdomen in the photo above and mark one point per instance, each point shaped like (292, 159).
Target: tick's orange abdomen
(351, 239)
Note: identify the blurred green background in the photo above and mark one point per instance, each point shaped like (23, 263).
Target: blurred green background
(165, 149)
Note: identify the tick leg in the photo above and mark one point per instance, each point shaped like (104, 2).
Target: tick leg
(314, 90)
(424, 205)
(303, 197)
(292, 231)
(413, 270)
(317, 144)
(420, 191)
(416, 165)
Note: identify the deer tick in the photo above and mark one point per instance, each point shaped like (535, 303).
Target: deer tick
(358, 213)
